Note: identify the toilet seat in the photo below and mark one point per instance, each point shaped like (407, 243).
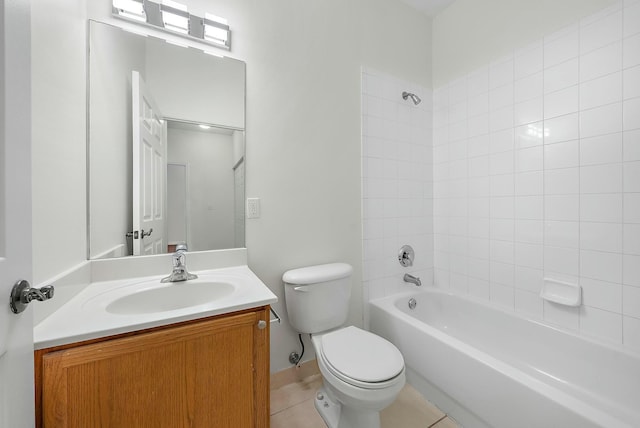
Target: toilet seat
(361, 358)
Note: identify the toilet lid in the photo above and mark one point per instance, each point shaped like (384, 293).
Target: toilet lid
(360, 355)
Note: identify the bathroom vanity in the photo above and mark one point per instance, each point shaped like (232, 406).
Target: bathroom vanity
(203, 373)
(136, 352)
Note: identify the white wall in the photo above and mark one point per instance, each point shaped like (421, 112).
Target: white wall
(397, 174)
(303, 128)
(469, 33)
(58, 136)
(210, 180)
(537, 172)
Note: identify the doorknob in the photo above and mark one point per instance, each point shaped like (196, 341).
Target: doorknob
(22, 294)
(146, 233)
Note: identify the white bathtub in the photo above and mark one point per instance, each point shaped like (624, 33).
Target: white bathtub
(491, 368)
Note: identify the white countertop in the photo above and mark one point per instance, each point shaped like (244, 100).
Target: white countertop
(85, 315)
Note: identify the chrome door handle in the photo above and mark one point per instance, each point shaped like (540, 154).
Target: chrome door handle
(22, 294)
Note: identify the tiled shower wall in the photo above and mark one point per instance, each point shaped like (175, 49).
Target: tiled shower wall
(536, 164)
(397, 183)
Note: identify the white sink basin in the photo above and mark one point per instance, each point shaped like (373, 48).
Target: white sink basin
(170, 296)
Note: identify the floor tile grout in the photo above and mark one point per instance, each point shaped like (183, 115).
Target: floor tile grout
(437, 422)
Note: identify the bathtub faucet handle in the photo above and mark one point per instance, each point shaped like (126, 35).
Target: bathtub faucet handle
(412, 279)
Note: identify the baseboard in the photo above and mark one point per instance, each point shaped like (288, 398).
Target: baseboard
(294, 374)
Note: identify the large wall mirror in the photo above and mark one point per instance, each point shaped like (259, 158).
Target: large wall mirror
(166, 146)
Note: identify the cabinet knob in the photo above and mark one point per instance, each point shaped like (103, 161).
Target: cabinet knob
(262, 324)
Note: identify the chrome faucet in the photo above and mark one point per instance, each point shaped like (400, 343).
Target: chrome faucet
(412, 279)
(179, 272)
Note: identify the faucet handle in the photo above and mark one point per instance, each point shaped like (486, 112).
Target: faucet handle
(181, 247)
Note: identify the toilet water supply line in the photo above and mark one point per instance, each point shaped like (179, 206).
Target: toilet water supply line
(294, 358)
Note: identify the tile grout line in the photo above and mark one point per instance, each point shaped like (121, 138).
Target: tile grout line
(438, 421)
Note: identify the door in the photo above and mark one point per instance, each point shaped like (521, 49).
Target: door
(149, 171)
(16, 331)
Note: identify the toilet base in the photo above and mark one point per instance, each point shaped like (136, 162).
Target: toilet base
(336, 415)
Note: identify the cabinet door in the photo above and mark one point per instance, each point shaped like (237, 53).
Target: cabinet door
(206, 374)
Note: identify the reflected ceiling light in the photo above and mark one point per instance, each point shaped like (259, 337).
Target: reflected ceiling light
(173, 17)
(204, 126)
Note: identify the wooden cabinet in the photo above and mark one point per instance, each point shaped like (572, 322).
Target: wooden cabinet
(205, 373)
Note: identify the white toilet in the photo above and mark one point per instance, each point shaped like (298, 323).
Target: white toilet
(362, 373)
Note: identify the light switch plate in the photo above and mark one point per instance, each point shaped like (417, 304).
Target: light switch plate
(253, 207)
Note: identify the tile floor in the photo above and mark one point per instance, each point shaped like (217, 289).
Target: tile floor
(292, 407)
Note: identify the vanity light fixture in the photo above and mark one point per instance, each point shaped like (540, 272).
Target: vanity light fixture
(174, 18)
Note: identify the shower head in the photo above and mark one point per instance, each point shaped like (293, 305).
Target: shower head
(416, 99)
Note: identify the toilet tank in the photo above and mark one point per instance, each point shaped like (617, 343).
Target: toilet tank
(317, 297)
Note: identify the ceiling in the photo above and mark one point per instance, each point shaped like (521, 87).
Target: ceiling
(428, 7)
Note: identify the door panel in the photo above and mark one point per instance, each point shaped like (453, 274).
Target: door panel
(16, 331)
(149, 171)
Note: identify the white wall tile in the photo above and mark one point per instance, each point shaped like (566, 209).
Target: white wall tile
(601, 91)
(602, 120)
(601, 62)
(529, 207)
(541, 176)
(530, 87)
(561, 260)
(501, 141)
(563, 75)
(528, 304)
(478, 82)
(564, 207)
(631, 82)
(562, 234)
(605, 178)
(561, 102)
(632, 176)
(631, 270)
(478, 104)
(501, 119)
(601, 237)
(601, 265)
(631, 239)
(601, 207)
(528, 111)
(632, 207)
(562, 128)
(631, 51)
(631, 114)
(562, 181)
(529, 279)
(562, 155)
(601, 149)
(529, 256)
(601, 294)
(501, 163)
(631, 303)
(502, 295)
(530, 159)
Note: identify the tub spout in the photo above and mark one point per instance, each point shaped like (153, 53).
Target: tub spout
(412, 279)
